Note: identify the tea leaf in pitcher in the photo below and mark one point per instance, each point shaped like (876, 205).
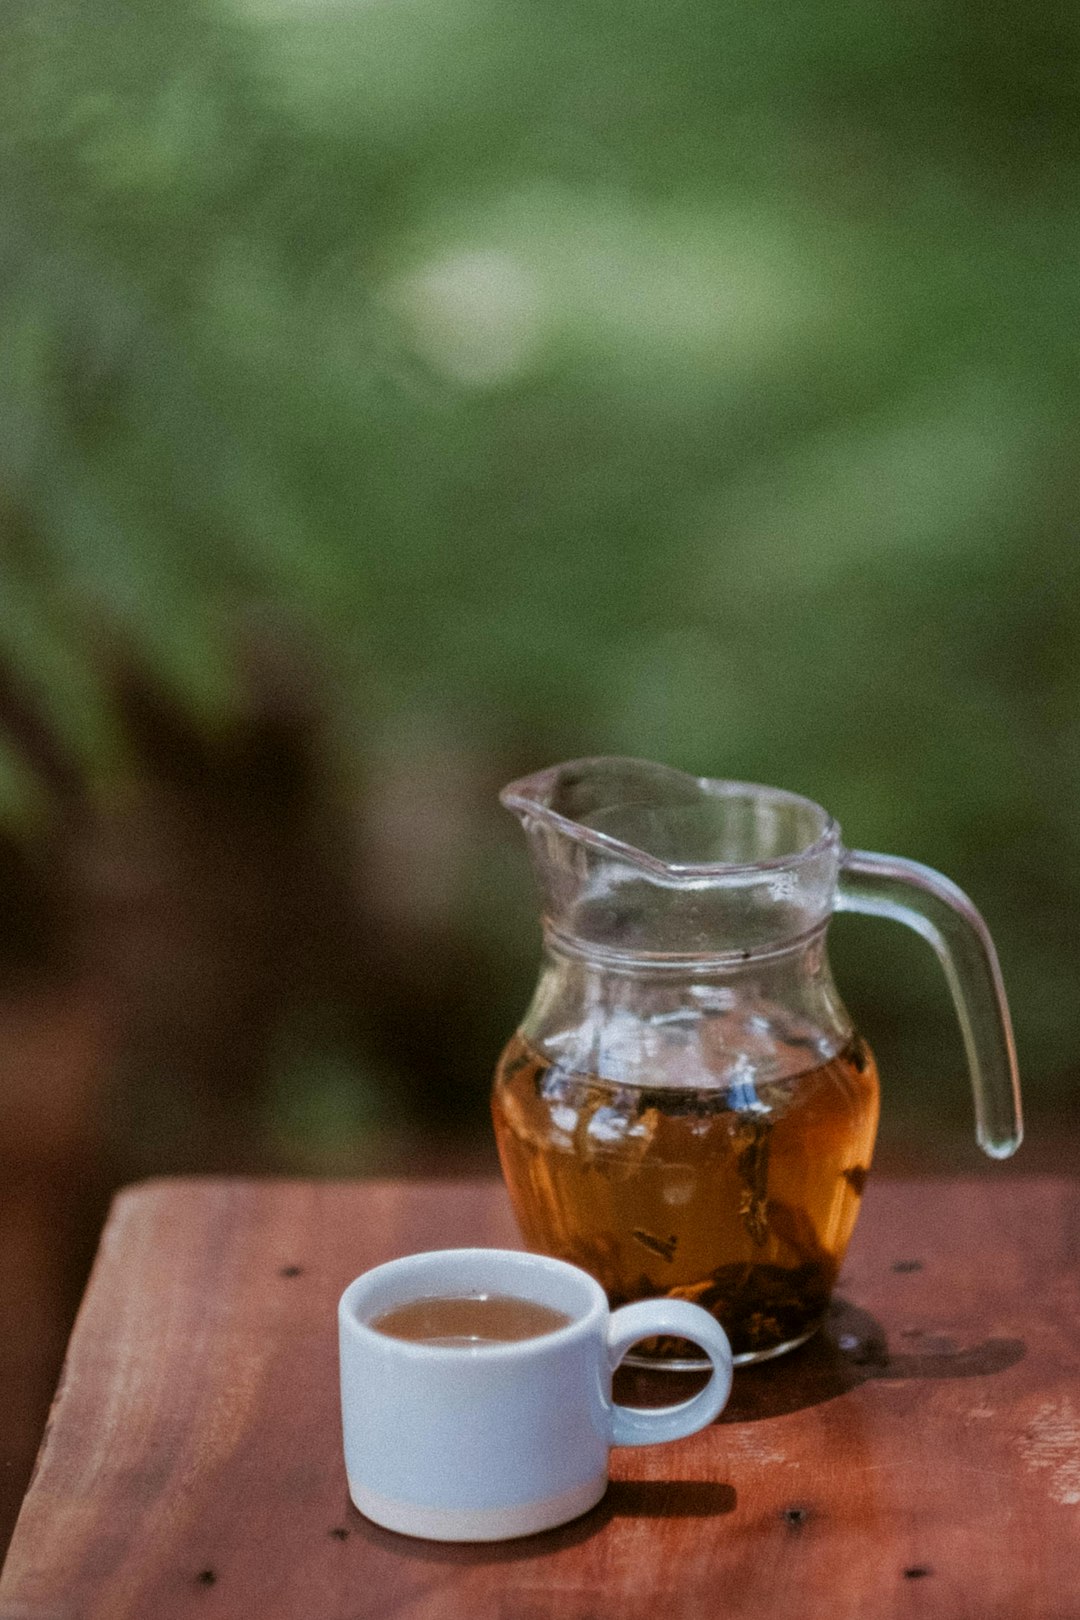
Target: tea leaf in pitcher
(858, 1055)
(751, 1138)
(797, 1232)
(684, 1103)
(664, 1247)
(760, 1306)
(523, 1060)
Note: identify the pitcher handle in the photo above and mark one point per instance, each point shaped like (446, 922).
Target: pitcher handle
(886, 886)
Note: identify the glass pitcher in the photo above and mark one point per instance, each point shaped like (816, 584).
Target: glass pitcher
(686, 1108)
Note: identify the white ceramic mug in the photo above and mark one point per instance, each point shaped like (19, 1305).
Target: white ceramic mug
(499, 1439)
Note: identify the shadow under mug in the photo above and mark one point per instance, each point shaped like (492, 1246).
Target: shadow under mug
(498, 1439)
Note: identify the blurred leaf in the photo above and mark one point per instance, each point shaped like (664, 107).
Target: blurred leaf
(698, 381)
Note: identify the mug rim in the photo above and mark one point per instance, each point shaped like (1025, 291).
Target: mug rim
(594, 1315)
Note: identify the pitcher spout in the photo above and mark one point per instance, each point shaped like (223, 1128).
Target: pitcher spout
(639, 859)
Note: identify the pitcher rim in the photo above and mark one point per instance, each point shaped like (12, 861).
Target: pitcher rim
(519, 796)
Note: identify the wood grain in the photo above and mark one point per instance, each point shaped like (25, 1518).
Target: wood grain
(920, 1458)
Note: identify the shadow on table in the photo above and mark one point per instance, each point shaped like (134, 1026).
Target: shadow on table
(851, 1349)
(625, 1499)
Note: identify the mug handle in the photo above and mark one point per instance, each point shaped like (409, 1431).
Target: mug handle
(632, 1426)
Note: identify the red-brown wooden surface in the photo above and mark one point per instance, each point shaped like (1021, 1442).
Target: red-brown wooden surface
(920, 1458)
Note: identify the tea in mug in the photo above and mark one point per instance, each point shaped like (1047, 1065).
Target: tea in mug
(461, 1321)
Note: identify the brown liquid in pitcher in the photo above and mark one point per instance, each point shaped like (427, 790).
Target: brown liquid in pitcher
(746, 1210)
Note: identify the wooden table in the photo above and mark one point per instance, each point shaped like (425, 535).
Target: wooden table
(920, 1458)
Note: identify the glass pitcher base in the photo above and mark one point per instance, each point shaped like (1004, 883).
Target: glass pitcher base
(693, 1364)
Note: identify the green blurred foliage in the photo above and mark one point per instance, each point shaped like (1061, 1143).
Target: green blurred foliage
(694, 380)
